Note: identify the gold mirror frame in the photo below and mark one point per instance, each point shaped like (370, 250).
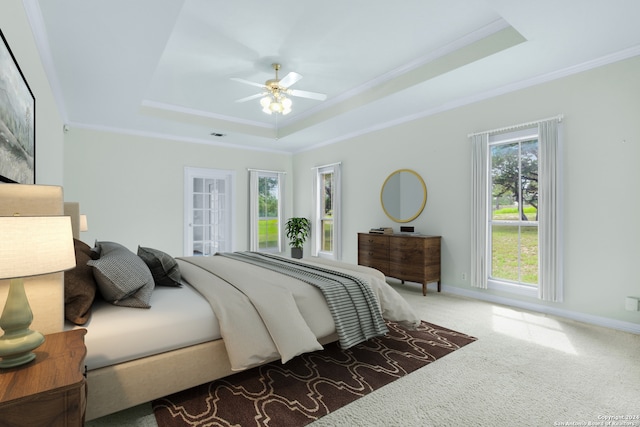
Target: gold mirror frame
(389, 180)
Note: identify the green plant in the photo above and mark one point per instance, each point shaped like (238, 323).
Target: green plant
(297, 230)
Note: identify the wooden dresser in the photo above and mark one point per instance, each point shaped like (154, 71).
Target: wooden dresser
(49, 391)
(414, 258)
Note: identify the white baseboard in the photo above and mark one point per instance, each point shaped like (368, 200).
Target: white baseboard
(573, 315)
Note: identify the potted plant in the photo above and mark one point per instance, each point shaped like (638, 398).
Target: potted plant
(298, 230)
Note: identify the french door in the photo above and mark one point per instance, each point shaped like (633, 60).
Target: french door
(209, 219)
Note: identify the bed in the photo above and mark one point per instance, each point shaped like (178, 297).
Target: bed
(208, 323)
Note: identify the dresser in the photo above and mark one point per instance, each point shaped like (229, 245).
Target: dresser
(414, 258)
(49, 391)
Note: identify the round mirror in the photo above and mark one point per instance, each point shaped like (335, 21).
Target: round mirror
(403, 195)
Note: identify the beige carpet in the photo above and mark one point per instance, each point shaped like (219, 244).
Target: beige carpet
(526, 369)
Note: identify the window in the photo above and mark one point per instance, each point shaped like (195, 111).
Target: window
(516, 228)
(266, 206)
(326, 238)
(513, 221)
(326, 211)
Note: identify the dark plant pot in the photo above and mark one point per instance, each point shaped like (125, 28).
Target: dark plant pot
(296, 253)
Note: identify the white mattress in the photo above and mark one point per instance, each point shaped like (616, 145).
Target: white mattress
(178, 317)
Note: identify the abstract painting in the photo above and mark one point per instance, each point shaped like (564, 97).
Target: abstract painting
(17, 121)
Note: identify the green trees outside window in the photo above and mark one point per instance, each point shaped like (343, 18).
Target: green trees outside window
(514, 218)
(268, 222)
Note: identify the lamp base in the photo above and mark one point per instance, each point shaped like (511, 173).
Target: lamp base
(18, 340)
(16, 351)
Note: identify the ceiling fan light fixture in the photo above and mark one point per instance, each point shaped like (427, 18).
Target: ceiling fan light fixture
(276, 103)
(286, 106)
(276, 107)
(274, 98)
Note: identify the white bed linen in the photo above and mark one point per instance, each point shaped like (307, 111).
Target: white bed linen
(178, 317)
(266, 315)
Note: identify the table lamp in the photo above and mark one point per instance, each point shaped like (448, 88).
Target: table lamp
(29, 246)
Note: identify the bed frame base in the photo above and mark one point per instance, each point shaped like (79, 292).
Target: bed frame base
(114, 388)
(118, 387)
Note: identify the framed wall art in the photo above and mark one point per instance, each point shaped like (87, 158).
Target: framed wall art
(17, 121)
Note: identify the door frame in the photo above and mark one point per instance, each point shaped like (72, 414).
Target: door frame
(194, 172)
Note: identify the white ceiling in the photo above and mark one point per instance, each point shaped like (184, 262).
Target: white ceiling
(164, 67)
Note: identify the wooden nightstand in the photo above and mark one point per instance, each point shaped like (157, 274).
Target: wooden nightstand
(49, 391)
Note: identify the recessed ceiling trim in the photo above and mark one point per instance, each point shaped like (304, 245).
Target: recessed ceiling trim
(207, 120)
(170, 137)
(496, 42)
(377, 81)
(194, 112)
(460, 43)
(586, 66)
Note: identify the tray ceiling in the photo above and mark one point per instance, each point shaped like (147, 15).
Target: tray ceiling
(163, 67)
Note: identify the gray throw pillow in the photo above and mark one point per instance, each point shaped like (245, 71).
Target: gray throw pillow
(122, 277)
(164, 268)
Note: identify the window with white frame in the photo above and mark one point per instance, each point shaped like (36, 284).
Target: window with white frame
(326, 237)
(266, 209)
(513, 212)
(517, 210)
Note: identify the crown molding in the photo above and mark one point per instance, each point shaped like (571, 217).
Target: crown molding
(544, 78)
(167, 137)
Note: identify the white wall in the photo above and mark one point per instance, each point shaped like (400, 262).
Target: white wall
(49, 146)
(601, 109)
(131, 187)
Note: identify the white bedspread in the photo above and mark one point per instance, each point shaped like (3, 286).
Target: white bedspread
(267, 316)
(178, 317)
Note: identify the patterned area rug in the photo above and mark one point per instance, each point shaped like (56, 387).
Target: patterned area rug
(308, 386)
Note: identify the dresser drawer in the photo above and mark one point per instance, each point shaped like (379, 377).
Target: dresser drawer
(373, 242)
(373, 251)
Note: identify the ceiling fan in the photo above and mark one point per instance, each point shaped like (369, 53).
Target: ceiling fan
(275, 91)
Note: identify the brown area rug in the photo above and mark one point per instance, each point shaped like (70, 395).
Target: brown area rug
(308, 386)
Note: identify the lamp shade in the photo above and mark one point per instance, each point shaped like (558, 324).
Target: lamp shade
(34, 245)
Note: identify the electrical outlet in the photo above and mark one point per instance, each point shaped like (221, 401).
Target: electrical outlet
(632, 304)
(464, 276)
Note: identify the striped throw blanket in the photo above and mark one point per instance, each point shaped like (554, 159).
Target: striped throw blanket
(354, 307)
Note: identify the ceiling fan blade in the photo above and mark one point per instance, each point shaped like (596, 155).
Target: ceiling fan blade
(260, 85)
(249, 98)
(306, 94)
(289, 79)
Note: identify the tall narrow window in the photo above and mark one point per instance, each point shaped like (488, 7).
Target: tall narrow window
(326, 239)
(266, 208)
(514, 209)
(326, 211)
(517, 210)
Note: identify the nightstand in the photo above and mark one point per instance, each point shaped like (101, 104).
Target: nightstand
(49, 391)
